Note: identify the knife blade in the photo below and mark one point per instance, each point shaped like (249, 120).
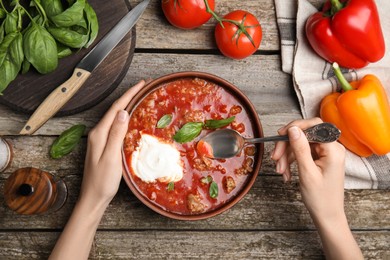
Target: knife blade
(63, 93)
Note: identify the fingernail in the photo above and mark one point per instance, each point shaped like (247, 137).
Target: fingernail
(294, 133)
(122, 116)
(272, 154)
(280, 129)
(277, 167)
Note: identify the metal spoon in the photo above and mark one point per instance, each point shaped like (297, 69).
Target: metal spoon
(226, 143)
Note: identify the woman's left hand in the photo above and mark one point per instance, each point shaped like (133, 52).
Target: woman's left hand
(103, 163)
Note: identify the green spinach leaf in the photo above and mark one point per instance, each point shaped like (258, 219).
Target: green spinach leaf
(67, 141)
(188, 132)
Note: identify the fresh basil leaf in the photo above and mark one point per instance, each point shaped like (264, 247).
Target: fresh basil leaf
(83, 24)
(11, 58)
(67, 141)
(164, 121)
(2, 33)
(93, 25)
(40, 48)
(63, 51)
(213, 190)
(68, 37)
(213, 124)
(171, 186)
(11, 22)
(70, 16)
(188, 132)
(52, 7)
(206, 180)
(3, 13)
(25, 66)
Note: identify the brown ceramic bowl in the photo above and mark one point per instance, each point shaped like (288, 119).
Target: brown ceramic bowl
(254, 121)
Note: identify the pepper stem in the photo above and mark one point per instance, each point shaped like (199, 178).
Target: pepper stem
(336, 6)
(344, 83)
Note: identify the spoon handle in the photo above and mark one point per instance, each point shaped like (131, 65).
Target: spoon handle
(321, 133)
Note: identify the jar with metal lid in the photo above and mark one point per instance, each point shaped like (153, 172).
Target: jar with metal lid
(5, 154)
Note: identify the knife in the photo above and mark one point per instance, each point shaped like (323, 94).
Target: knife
(62, 94)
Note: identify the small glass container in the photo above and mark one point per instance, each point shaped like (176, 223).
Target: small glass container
(5, 154)
(31, 191)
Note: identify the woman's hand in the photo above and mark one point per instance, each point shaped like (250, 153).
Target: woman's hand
(320, 168)
(103, 164)
(321, 178)
(102, 175)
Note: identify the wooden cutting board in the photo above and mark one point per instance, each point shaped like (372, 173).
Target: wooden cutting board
(27, 91)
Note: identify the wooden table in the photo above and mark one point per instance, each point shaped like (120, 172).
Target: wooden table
(270, 222)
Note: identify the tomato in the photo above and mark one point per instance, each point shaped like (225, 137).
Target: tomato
(232, 40)
(187, 14)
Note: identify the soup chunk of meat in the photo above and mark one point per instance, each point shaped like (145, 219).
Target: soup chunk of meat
(228, 184)
(194, 203)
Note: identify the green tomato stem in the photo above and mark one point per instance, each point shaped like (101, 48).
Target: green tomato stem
(241, 26)
(344, 83)
(216, 17)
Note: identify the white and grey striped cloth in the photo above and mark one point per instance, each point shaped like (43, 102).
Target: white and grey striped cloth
(313, 79)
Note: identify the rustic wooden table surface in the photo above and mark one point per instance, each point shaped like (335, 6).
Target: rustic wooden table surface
(270, 222)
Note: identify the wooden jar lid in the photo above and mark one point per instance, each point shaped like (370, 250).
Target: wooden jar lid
(32, 191)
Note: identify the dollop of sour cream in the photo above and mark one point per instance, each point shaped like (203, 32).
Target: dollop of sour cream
(155, 160)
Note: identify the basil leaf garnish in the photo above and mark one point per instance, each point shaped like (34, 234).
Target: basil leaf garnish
(213, 124)
(171, 186)
(67, 141)
(164, 121)
(206, 180)
(213, 190)
(188, 132)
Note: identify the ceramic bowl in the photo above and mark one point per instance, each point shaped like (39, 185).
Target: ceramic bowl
(255, 124)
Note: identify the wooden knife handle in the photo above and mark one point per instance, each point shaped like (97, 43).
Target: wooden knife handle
(55, 101)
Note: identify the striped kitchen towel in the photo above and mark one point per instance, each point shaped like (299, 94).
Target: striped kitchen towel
(313, 79)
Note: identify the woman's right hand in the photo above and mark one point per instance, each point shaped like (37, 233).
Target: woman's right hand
(321, 178)
(320, 169)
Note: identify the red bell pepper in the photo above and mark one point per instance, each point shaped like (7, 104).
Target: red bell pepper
(347, 32)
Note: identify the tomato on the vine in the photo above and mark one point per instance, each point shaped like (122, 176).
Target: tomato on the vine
(186, 14)
(240, 35)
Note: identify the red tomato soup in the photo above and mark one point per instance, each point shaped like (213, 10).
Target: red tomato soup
(191, 100)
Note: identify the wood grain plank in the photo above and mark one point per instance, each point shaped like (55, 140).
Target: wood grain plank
(192, 244)
(259, 77)
(269, 205)
(162, 35)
